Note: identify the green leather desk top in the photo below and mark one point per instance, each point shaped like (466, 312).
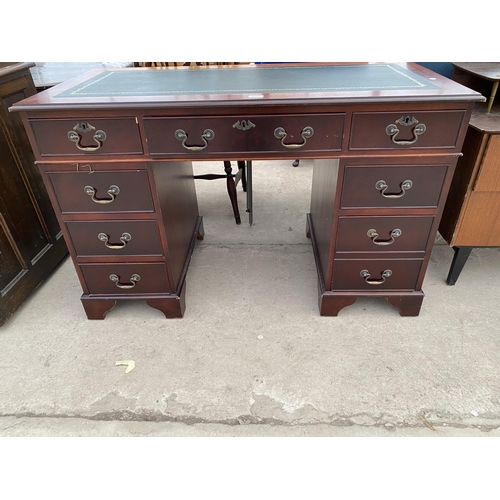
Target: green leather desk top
(244, 80)
(282, 84)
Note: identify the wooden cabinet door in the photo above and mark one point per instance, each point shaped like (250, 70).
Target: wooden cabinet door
(31, 244)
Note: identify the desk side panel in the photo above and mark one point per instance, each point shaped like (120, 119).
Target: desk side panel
(179, 210)
(324, 187)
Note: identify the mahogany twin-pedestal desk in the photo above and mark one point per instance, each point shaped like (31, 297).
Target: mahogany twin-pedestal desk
(115, 149)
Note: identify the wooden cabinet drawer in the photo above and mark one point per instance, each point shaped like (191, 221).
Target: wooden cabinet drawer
(109, 191)
(285, 133)
(406, 130)
(115, 238)
(375, 275)
(393, 186)
(383, 234)
(113, 279)
(92, 136)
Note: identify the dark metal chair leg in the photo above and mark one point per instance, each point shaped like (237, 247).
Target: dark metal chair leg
(458, 263)
(242, 175)
(249, 193)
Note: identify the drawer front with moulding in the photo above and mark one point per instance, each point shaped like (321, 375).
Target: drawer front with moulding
(404, 130)
(383, 234)
(115, 238)
(375, 275)
(213, 135)
(91, 137)
(103, 191)
(395, 186)
(127, 279)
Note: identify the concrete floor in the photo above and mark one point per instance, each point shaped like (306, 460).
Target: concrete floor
(252, 356)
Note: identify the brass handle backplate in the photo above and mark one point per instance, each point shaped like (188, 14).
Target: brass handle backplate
(112, 191)
(306, 133)
(207, 135)
(133, 280)
(373, 234)
(393, 130)
(124, 238)
(79, 129)
(366, 275)
(382, 187)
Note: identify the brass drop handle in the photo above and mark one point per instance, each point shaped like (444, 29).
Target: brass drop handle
(124, 238)
(372, 233)
(207, 135)
(382, 187)
(133, 280)
(112, 191)
(79, 129)
(393, 130)
(366, 275)
(306, 133)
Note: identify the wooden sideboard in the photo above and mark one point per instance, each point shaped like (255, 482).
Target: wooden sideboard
(31, 242)
(471, 216)
(115, 149)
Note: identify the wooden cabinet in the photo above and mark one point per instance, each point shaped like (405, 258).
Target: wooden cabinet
(130, 228)
(31, 242)
(377, 238)
(471, 217)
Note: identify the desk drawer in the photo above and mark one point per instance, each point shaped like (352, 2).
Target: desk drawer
(375, 275)
(240, 134)
(127, 279)
(115, 238)
(87, 136)
(393, 186)
(99, 192)
(383, 234)
(406, 130)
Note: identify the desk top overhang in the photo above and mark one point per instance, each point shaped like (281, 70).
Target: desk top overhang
(324, 83)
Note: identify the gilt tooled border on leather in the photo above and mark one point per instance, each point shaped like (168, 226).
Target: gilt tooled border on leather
(244, 80)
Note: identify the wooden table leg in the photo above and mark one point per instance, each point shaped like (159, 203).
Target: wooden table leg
(231, 190)
(492, 96)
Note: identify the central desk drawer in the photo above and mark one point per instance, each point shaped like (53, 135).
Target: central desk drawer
(109, 191)
(392, 186)
(115, 238)
(129, 279)
(239, 134)
(408, 129)
(383, 234)
(87, 136)
(375, 275)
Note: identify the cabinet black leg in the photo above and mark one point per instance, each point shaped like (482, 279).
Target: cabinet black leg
(458, 263)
